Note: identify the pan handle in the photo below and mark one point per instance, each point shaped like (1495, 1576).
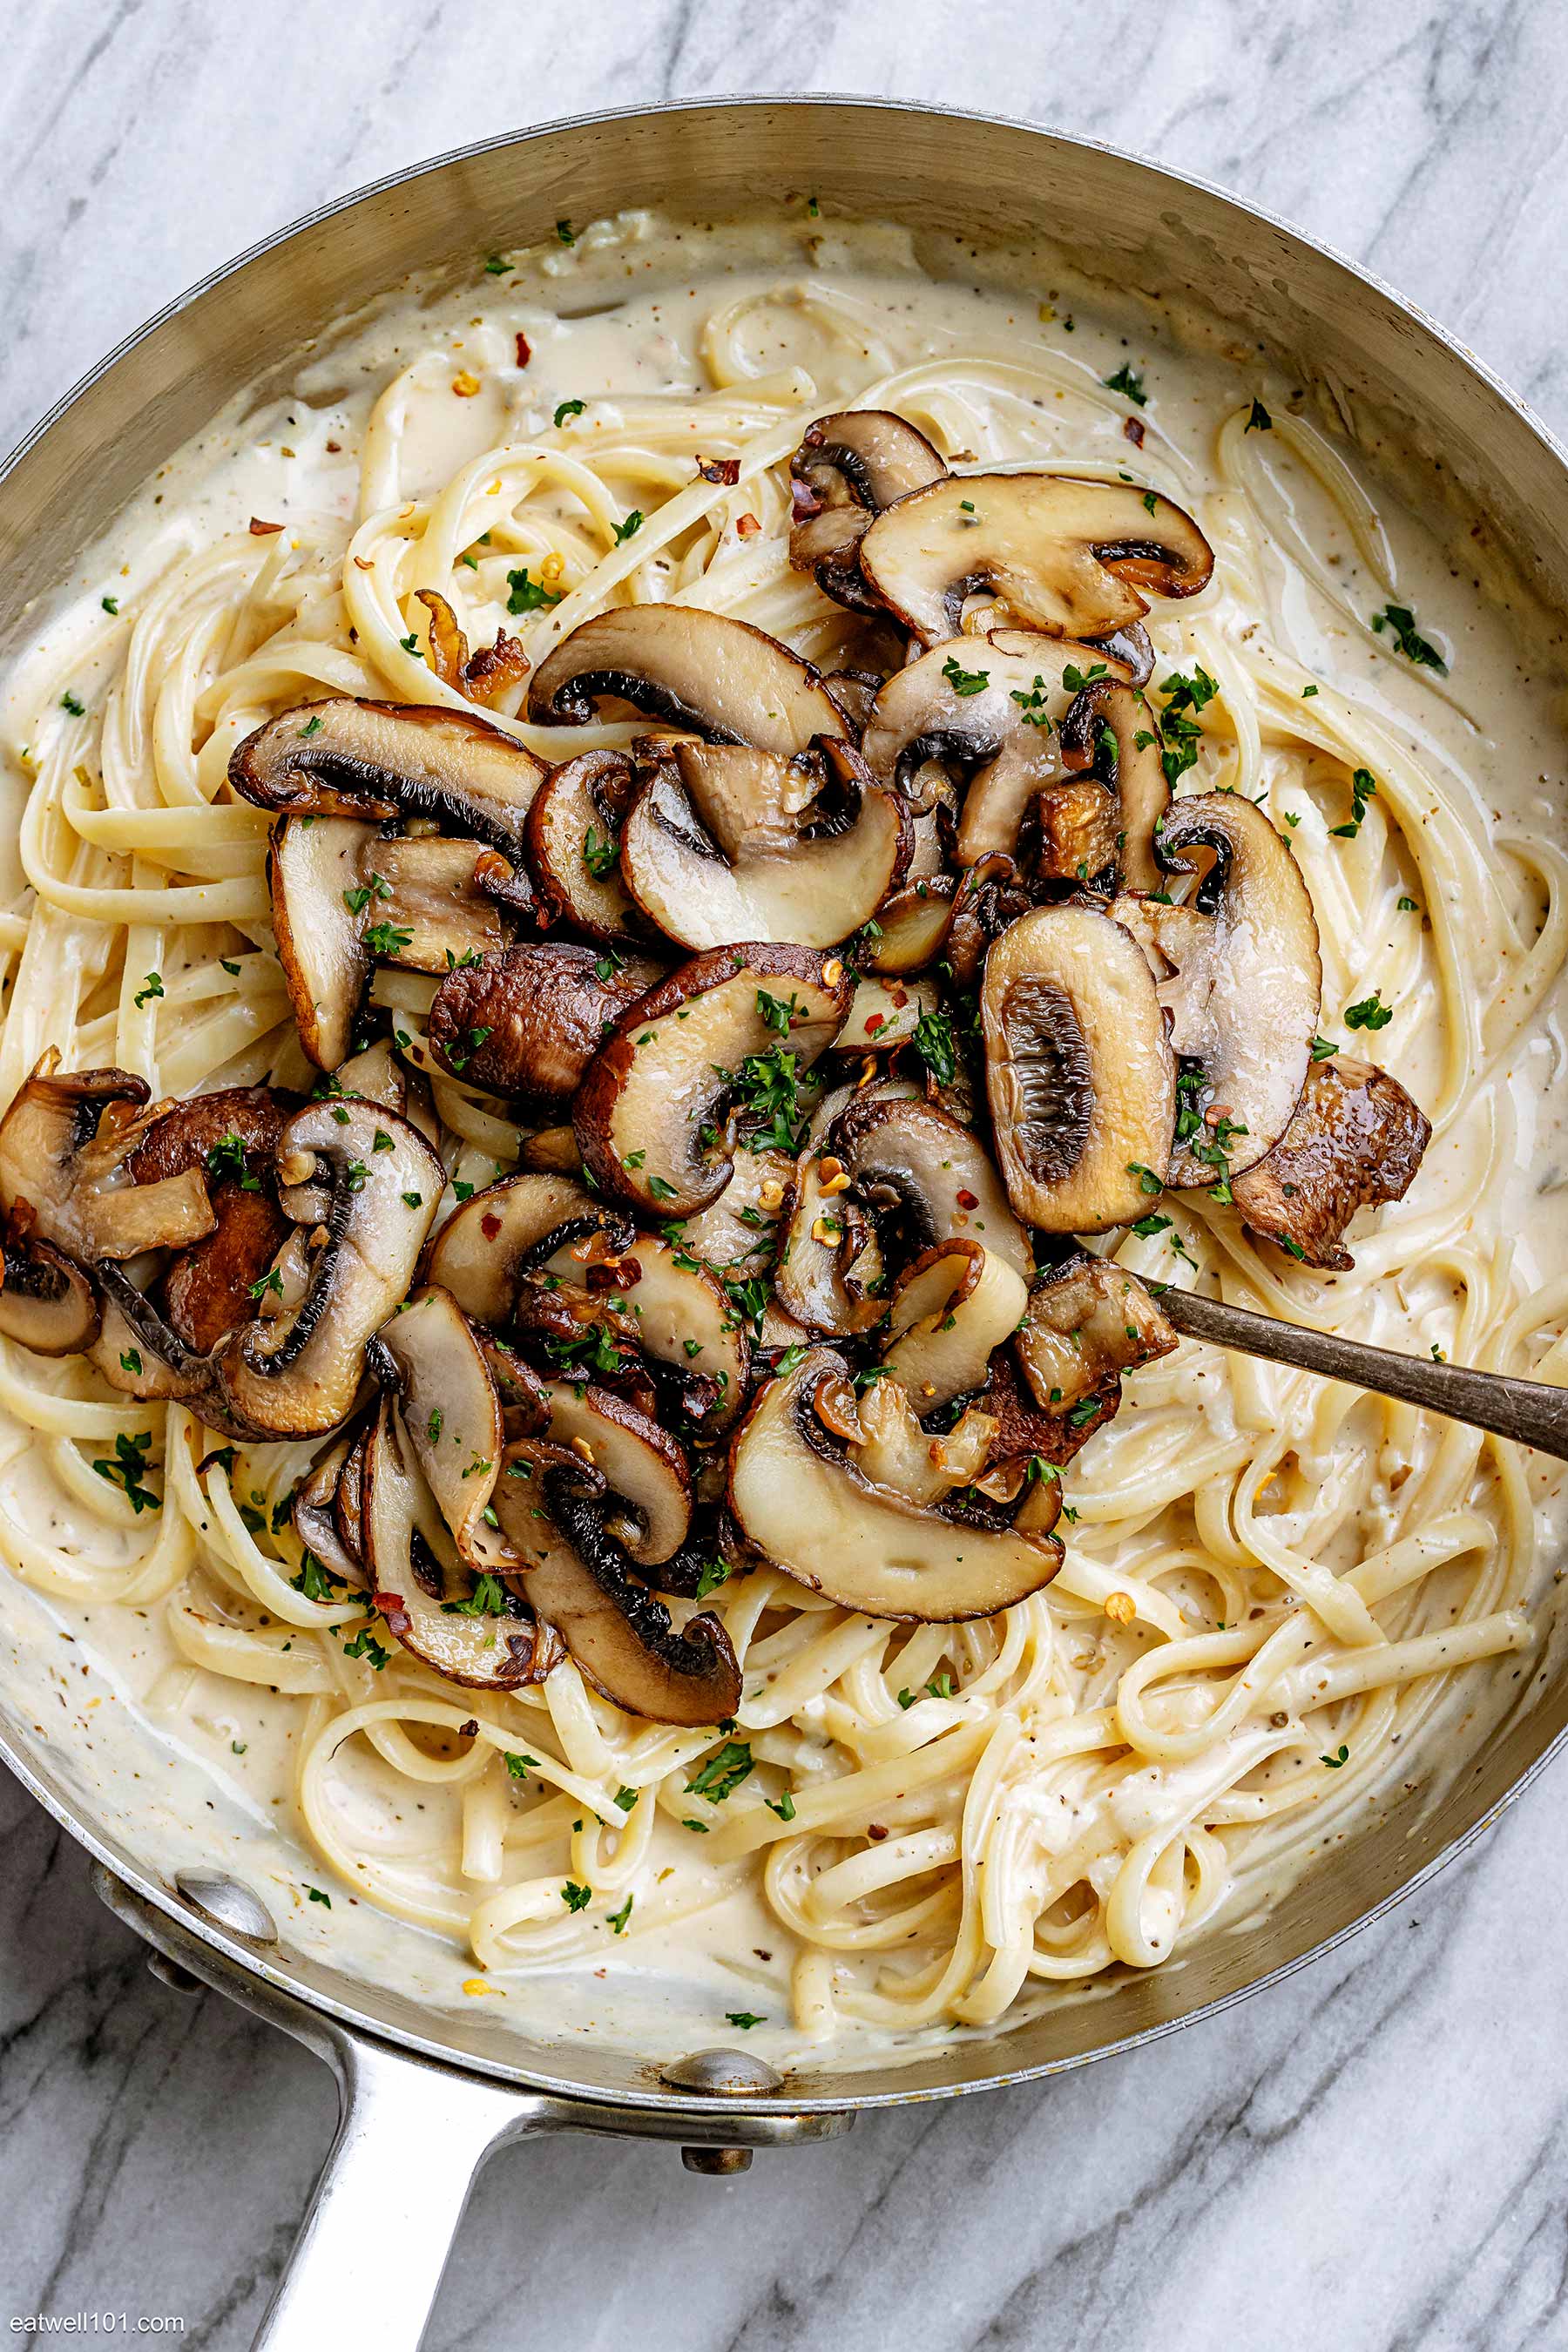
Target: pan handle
(368, 2261)
(413, 2133)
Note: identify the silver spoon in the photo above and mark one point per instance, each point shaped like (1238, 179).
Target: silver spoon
(1533, 1412)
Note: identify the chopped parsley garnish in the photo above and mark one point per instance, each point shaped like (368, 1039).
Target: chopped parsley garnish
(356, 901)
(1180, 733)
(617, 1919)
(518, 1766)
(1147, 1227)
(1363, 789)
(940, 1686)
(386, 939)
(1323, 1048)
(964, 681)
(744, 2017)
(226, 1160)
(1130, 384)
(721, 1773)
(775, 1013)
(1341, 1756)
(366, 1646)
(151, 986)
(1401, 622)
(769, 1099)
(713, 1573)
(575, 1897)
(566, 232)
(486, 1599)
(1033, 705)
(1406, 907)
(130, 1361)
(316, 1896)
(629, 529)
(497, 266)
(783, 1806)
(312, 1580)
(110, 603)
(568, 408)
(1257, 418)
(934, 1044)
(129, 1468)
(1147, 1180)
(1085, 1411)
(528, 595)
(600, 855)
(68, 702)
(1370, 1012)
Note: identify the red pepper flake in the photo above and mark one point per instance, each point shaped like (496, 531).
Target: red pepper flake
(875, 1831)
(391, 1606)
(333, 447)
(900, 998)
(523, 353)
(1133, 428)
(259, 530)
(748, 527)
(725, 470)
(968, 1200)
(489, 1224)
(875, 1021)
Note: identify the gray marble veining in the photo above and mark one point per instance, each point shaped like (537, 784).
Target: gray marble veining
(1371, 2155)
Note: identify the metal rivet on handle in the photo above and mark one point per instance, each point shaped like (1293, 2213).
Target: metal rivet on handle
(227, 1904)
(728, 2073)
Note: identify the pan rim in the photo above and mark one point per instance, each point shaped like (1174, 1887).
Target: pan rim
(793, 2100)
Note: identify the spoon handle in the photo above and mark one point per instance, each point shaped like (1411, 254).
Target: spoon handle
(1533, 1412)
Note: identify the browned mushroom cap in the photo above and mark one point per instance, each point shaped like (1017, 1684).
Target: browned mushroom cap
(1111, 729)
(1080, 1078)
(1354, 1141)
(528, 1022)
(829, 1271)
(475, 1632)
(909, 930)
(673, 1063)
(573, 839)
(210, 1289)
(1069, 557)
(1088, 1322)
(232, 1133)
(644, 1469)
(904, 1154)
(802, 1499)
(318, 905)
(846, 469)
(534, 1230)
(64, 1143)
(484, 1249)
(232, 1136)
(426, 912)
(452, 1418)
(950, 1311)
(380, 1074)
(720, 677)
(1251, 993)
(377, 760)
(297, 1375)
(991, 709)
(47, 1304)
(1027, 1435)
(551, 1503)
(748, 845)
(314, 1512)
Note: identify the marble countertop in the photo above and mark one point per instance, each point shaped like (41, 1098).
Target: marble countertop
(1364, 2157)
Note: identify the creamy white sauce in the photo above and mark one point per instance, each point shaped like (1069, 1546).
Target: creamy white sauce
(189, 1768)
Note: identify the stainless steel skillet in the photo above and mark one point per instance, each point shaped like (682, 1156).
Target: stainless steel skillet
(452, 2088)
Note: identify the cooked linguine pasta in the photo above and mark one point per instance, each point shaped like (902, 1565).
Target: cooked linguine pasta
(1276, 1593)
